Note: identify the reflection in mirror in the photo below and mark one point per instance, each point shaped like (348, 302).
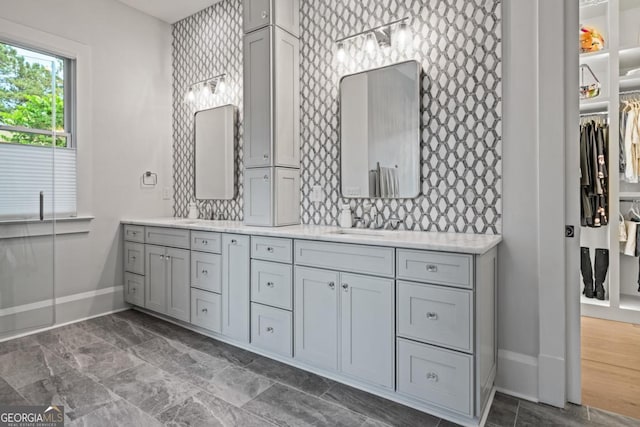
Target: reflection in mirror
(214, 153)
(380, 132)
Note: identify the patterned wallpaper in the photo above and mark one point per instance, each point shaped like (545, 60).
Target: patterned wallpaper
(458, 43)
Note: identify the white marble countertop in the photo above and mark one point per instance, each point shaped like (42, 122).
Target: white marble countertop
(435, 241)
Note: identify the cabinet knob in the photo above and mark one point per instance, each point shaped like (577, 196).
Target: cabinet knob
(432, 268)
(234, 241)
(167, 257)
(270, 284)
(205, 272)
(432, 316)
(432, 376)
(266, 178)
(161, 256)
(269, 249)
(270, 329)
(134, 232)
(133, 257)
(345, 286)
(205, 242)
(332, 285)
(133, 290)
(264, 14)
(265, 156)
(204, 310)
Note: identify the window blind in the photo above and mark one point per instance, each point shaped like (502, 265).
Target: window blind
(25, 170)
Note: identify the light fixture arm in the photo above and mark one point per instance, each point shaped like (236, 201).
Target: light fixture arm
(380, 29)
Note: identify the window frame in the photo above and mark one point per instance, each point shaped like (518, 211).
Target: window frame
(70, 101)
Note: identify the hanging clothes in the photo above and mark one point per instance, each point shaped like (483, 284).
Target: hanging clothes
(630, 141)
(594, 175)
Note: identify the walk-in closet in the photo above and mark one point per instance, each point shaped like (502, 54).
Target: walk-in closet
(609, 77)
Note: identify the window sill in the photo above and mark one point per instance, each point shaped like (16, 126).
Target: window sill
(17, 228)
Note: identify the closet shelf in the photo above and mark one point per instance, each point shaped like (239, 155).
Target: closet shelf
(593, 56)
(594, 301)
(594, 105)
(630, 195)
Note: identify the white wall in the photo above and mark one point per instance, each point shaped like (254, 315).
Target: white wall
(129, 111)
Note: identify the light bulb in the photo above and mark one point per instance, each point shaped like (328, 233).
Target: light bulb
(371, 44)
(221, 87)
(205, 92)
(403, 35)
(341, 55)
(191, 96)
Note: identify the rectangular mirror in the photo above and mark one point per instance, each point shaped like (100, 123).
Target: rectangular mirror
(214, 153)
(380, 132)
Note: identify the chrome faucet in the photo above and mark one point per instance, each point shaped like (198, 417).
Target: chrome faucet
(393, 224)
(377, 221)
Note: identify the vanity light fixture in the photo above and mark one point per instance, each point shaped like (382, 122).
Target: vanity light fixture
(200, 94)
(378, 37)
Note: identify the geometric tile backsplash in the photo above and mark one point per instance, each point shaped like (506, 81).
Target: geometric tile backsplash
(458, 43)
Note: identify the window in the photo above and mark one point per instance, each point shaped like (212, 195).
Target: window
(36, 108)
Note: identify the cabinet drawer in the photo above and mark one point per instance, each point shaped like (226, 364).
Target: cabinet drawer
(134, 233)
(206, 310)
(174, 237)
(206, 271)
(271, 284)
(205, 241)
(433, 267)
(271, 249)
(134, 257)
(437, 376)
(134, 289)
(345, 257)
(271, 329)
(436, 314)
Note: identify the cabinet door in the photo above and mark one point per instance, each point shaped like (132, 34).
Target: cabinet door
(367, 307)
(287, 99)
(257, 99)
(178, 288)
(235, 286)
(257, 197)
(316, 317)
(257, 13)
(155, 281)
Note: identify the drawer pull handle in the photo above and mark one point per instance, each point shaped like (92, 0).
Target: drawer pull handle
(269, 249)
(432, 268)
(264, 16)
(134, 232)
(204, 310)
(332, 285)
(205, 272)
(234, 241)
(345, 286)
(265, 156)
(270, 284)
(432, 376)
(432, 316)
(270, 329)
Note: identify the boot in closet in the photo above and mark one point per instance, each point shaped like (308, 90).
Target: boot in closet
(587, 272)
(602, 265)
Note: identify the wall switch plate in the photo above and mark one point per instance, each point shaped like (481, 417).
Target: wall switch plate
(166, 193)
(316, 193)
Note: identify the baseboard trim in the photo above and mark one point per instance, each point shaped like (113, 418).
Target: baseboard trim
(517, 375)
(28, 319)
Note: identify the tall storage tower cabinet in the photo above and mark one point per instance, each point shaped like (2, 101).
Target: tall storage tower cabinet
(271, 112)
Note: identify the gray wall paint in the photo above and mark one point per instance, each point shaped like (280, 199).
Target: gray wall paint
(459, 46)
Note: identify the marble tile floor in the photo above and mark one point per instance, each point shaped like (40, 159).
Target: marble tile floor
(131, 369)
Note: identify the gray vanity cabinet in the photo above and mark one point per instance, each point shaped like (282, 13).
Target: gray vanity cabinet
(272, 197)
(236, 267)
(271, 99)
(316, 317)
(260, 13)
(167, 281)
(367, 334)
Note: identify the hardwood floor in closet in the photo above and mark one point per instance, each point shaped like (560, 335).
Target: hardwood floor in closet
(611, 366)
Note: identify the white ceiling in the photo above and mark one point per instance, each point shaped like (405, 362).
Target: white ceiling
(169, 11)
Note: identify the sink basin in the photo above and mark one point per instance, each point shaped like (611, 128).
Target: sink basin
(362, 232)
